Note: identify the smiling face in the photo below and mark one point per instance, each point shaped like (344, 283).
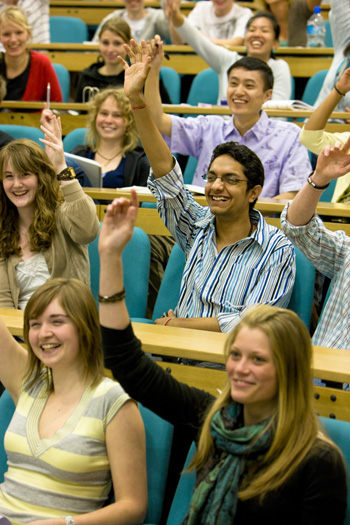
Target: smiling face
(53, 337)
(20, 188)
(14, 38)
(111, 46)
(109, 121)
(226, 200)
(246, 92)
(252, 374)
(260, 39)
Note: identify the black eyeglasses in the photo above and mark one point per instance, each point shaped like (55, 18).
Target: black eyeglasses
(226, 179)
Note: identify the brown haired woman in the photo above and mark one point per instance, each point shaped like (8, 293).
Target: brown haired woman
(46, 220)
(74, 432)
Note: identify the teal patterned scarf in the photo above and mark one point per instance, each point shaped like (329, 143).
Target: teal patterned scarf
(215, 497)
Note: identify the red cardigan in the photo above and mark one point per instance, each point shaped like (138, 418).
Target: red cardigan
(41, 72)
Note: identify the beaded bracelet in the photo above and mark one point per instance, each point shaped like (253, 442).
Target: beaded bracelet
(115, 298)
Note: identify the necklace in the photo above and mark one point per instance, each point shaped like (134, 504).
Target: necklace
(114, 156)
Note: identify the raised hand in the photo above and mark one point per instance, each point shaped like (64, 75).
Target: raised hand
(137, 73)
(173, 13)
(343, 84)
(118, 225)
(333, 162)
(53, 140)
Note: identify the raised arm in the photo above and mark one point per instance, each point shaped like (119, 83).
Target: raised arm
(155, 148)
(320, 116)
(13, 359)
(332, 163)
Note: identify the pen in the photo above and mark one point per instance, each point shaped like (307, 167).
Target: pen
(165, 54)
(48, 92)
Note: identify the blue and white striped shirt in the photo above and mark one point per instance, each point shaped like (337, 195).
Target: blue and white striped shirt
(329, 252)
(257, 269)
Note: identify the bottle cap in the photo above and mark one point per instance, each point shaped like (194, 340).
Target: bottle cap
(317, 9)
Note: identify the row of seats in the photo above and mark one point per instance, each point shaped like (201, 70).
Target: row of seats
(67, 29)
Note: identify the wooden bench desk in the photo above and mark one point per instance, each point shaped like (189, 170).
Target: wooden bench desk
(328, 363)
(303, 62)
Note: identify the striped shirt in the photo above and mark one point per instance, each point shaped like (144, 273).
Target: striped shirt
(68, 473)
(329, 252)
(257, 269)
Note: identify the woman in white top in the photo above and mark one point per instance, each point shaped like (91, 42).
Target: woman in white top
(261, 39)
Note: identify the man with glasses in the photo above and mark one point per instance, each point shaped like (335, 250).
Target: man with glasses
(233, 257)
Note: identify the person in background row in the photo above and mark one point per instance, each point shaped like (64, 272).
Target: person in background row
(223, 22)
(74, 431)
(26, 72)
(145, 22)
(261, 453)
(112, 141)
(46, 220)
(37, 13)
(261, 39)
(5, 138)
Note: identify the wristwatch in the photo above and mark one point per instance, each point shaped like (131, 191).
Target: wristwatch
(69, 520)
(66, 174)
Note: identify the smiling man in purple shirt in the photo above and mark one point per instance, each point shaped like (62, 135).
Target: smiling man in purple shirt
(250, 83)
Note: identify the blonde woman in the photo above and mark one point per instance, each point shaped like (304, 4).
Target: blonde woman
(113, 141)
(261, 455)
(26, 72)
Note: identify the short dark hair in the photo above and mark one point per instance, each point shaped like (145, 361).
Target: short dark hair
(269, 16)
(253, 168)
(255, 64)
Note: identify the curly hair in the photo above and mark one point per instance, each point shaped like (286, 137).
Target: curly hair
(130, 140)
(27, 156)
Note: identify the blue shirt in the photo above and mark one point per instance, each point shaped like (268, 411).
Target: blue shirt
(329, 252)
(257, 269)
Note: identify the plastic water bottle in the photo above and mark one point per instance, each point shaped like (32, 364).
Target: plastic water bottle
(316, 30)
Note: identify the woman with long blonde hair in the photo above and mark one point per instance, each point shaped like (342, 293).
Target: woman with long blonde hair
(261, 452)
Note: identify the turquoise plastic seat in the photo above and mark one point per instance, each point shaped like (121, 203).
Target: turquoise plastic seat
(73, 139)
(313, 87)
(329, 38)
(23, 132)
(172, 83)
(68, 29)
(184, 491)
(303, 289)
(136, 262)
(7, 408)
(190, 169)
(64, 80)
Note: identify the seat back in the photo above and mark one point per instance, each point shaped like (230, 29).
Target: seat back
(313, 87)
(190, 169)
(136, 262)
(204, 88)
(303, 289)
(73, 139)
(68, 29)
(183, 494)
(169, 290)
(339, 432)
(159, 437)
(329, 37)
(23, 132)
(64, 80)
(327, 195)
(172, 82)
(7, 408)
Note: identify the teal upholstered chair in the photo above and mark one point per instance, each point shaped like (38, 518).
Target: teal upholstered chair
(7, 408)
(172, 82)
(73, 139)
(136, 262)
(68, 29)
(303, 289)
(64, 80)
(204, 88)
(23, 132)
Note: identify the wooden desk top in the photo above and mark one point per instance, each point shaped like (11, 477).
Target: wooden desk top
(329, 363)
